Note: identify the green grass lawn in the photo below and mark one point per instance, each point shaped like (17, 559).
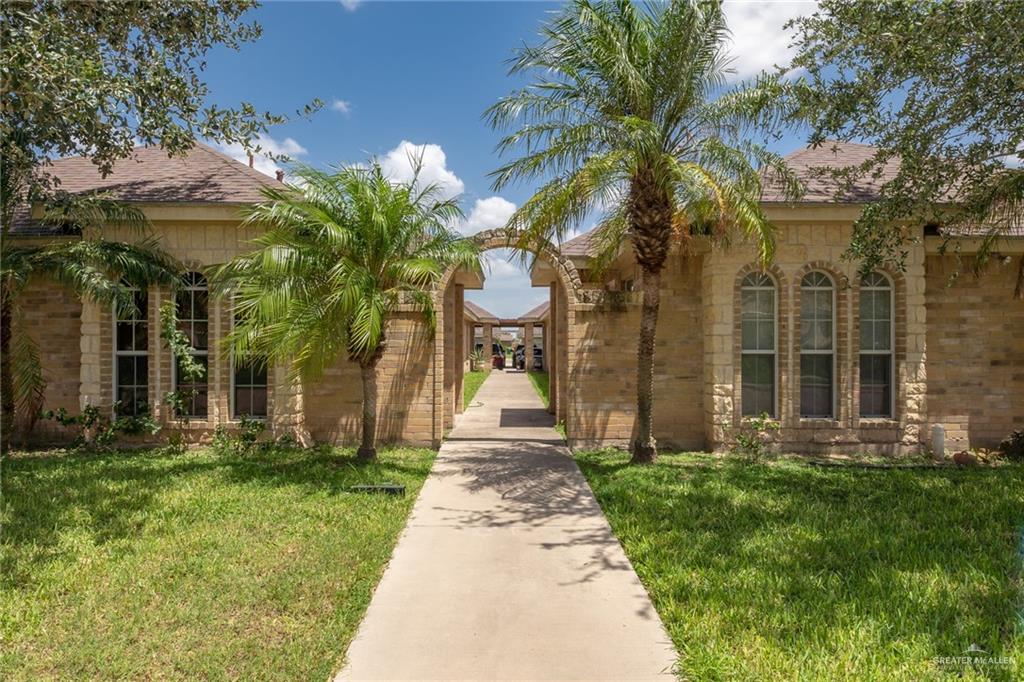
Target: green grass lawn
(195, 566)
(787, 571)
(471, 383)
(540, 384)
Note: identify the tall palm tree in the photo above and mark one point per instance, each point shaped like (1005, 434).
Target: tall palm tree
(91, 268)
(339, 254)
(628, 115)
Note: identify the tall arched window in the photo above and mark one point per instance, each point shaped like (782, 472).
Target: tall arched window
(193, 305)
(757, 328)
(817, 346)
(876, 346)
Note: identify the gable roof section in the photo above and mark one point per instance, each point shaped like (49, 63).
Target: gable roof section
(536, 313)
(203, 175)
(477, 313)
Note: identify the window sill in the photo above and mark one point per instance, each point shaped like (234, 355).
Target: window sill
(820, 422)
(877, 423)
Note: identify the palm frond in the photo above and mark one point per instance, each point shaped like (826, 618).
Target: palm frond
(28, 382)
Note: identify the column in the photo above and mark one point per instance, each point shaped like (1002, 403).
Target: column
(551, 351)
(459, 345)
(528, 344)
(488, 338)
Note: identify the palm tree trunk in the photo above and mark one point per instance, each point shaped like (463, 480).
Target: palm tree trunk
(644, 446)
(368, 447)
(6, 383)
(650, 219)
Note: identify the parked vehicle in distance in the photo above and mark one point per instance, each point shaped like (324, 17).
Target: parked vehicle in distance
(538, 359)
(497, 356)
(519, 357)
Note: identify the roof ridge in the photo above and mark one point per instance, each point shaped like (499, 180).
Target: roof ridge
(233, 163)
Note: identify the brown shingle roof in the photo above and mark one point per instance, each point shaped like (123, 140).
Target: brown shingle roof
(824, 188)
(580, 245)
(202, 175)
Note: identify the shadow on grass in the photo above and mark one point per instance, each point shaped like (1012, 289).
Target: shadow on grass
(110, 495)
(918, 563)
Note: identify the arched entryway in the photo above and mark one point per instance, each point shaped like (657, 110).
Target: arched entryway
(453, 340)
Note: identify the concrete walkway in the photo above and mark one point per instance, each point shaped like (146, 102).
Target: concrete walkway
(508, 568)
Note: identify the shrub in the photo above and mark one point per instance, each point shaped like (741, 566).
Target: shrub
(246, 439)
(1012, 446)
(754, 436)
(96, 429)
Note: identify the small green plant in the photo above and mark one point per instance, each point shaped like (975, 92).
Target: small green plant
(754, 436)
(244, 440)
(96, 429)
(1012, 446)
(477, 360)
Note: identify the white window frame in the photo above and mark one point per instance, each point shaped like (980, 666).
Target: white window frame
(201, 353)
(116, 318)
(775, 341)
(891, 352)
(833, 351)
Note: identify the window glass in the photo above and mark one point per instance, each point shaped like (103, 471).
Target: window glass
(876, 333)
(757, 331)
(817, 345)
(131, 357)
(192, 303)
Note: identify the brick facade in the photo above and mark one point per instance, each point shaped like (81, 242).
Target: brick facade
(958, 354)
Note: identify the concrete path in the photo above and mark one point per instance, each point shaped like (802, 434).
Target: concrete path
(508, 568)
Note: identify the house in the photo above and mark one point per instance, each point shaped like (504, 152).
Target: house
(843, 363)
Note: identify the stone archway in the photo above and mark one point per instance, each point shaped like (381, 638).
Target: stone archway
(565, 288)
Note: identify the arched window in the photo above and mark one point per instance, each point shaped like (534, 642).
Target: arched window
(758, 342)
(817, 346)
(876, 346)
(131, 357)
(193, 306)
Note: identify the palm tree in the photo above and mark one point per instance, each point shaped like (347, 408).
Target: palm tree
(338, 256)
(623, 118)
(91, 268)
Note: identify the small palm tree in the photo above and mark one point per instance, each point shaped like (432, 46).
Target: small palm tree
(91, 268)
(623, 118)
(338, 256)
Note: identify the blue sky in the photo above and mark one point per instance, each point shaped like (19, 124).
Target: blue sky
(399, 75)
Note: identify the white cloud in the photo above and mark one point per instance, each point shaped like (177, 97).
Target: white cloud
(500, 264)
(351, 5)
(507, 291)
(758, 41)
(398, 163)
(341, 106)
(286, 147)
(487, 214)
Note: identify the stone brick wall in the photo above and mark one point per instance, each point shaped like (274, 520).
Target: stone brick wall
(405, 377)
(972, 381)
(198, 246)
(801, 248)
(975, 352)
(52, 318)
(602, 400)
